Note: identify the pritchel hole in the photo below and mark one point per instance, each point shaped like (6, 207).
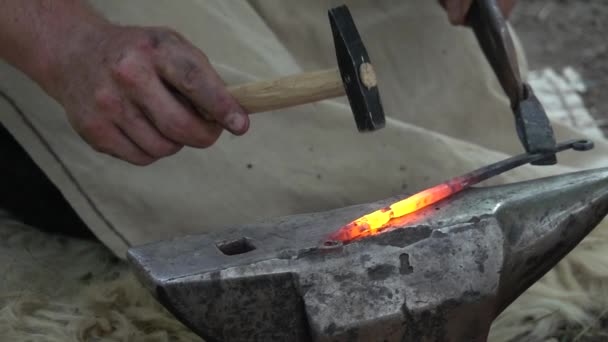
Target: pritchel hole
(236, 247)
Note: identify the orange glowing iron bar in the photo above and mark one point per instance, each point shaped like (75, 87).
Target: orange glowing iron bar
(380, 220)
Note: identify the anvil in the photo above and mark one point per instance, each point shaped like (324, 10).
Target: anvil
(444, 276)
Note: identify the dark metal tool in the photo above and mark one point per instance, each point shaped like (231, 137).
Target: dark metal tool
(354, 77)
(531, 121)
(443, 275)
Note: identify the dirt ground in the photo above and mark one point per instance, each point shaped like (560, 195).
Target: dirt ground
(559, 33)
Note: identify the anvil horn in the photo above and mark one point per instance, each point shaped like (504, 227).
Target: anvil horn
(444, 277)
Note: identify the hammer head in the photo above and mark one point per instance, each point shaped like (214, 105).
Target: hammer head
(357, 72)
(444, 277)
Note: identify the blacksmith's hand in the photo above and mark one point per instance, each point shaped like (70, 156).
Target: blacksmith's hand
(136, 93)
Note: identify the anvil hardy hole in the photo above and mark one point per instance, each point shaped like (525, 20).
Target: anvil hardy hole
(236, 247)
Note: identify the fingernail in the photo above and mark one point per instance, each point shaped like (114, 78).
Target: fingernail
(236, 122)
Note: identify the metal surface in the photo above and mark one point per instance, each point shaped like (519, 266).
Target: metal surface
(443, 277)
(351, 54)
(532, 125)
(495, 40)
(497, 168)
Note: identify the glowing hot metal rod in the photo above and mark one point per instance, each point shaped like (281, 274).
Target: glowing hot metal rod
(380, 220)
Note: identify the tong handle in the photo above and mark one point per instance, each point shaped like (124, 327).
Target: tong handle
(492, 32)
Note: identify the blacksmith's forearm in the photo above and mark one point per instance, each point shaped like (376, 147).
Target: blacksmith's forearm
(36, 34)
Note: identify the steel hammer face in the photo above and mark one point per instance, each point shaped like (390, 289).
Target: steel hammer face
(444, 276)
(356, 70)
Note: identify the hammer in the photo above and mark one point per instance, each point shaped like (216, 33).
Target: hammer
(354, 77)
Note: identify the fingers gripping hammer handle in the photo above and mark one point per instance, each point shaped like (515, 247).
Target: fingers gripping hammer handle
(289, 91)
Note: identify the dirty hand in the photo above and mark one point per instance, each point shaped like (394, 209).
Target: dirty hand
(458, 9)
(137, 93)
(141, 94)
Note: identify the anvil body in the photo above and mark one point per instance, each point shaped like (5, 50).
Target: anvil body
(443, 275)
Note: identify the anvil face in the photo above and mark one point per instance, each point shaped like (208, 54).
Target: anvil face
(443, 277)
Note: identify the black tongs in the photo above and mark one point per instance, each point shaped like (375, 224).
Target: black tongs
(531, 121)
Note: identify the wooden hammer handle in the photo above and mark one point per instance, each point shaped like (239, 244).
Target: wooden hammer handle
(289, 91)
